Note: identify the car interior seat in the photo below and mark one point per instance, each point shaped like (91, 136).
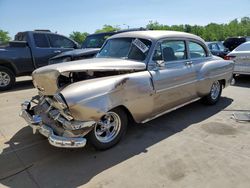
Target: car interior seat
(168, 54)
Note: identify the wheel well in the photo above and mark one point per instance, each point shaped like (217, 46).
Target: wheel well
(130, 117)
(9, 66)
(223, 82)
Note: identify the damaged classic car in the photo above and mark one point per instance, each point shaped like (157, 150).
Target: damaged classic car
(137, 76)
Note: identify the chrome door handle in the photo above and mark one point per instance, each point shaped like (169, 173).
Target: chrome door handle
(189, 63)
(57, 51)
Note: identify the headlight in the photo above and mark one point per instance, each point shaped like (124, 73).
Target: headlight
(60, 101)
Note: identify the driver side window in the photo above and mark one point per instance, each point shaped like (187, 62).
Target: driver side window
(170, 50)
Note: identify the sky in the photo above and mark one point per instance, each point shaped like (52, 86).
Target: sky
(66, 16)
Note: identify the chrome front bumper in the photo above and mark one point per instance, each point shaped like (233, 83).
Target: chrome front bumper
(35, 122)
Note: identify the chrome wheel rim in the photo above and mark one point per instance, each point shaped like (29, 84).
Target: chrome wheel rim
(215, 90)
(108, 128)
(4, 79)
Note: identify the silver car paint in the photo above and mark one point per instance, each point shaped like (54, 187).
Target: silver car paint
(146, 93)
(49, 74)
(242, 60)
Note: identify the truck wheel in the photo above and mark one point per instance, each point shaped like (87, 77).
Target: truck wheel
(109, 131)
(7, 78)
(214, 95)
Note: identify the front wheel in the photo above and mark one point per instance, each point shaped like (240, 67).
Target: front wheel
(109, 130)
(214, 94)
(7, 78)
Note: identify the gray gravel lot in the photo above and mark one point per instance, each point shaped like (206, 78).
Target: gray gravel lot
(195, 146)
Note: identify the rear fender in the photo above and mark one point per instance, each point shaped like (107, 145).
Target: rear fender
(211, 71)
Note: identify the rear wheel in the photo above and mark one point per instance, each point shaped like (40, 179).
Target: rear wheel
(109, 130)
(7, 78)
(214, 94)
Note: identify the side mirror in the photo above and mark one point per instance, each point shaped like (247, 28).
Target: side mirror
(226, 50)
(160, 63)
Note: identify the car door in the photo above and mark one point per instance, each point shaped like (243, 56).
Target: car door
(173, 76)
(48, 45)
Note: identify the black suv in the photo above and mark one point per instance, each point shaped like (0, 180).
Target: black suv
(90, 47)
(232, 42)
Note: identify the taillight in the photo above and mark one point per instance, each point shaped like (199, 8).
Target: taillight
(229, 57)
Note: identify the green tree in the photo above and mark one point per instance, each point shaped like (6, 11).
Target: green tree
(78, 36)
(4, 37)
(107, 28)
(211, 31)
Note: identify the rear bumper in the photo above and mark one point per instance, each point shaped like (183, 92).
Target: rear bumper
(35, 122)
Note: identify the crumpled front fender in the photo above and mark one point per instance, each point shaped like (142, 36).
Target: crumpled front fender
(91, 99)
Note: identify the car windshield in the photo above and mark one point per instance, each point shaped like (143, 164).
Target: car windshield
(95, 41)
(126, 48)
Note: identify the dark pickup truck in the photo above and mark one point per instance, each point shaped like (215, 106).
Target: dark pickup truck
(28, 51)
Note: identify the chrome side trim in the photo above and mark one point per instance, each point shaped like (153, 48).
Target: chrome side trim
(176, 86)
(214, 76)
(170, 110)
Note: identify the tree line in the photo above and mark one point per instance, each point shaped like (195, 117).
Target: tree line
(209, 32)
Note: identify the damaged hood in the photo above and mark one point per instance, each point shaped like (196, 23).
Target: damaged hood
(45, 78)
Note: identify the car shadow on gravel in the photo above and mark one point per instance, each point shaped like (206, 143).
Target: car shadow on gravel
(49, 166)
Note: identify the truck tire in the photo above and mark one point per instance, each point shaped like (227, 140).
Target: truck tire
(110, 130)
(7, 78)
(214, 94)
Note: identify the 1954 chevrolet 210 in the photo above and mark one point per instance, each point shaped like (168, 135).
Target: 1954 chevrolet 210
(136, 76)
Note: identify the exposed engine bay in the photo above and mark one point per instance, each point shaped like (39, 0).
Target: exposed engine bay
(68, 78)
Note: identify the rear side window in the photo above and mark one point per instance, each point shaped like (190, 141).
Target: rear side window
(57, 41)
(41, 40)
(196, 50)
(170, 50)
(20, 37)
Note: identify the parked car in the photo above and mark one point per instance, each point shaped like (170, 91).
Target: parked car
(217, 48)
(241, 57)
(136, 75)
(232, 42)
(90, 47)
(30, 50)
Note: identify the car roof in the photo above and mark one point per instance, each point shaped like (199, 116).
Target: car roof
(156, 35)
